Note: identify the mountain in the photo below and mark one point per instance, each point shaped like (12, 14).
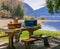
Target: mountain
(40, 12)
(28, 10)
(44, 12)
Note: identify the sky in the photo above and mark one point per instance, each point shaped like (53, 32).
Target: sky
(35, 4)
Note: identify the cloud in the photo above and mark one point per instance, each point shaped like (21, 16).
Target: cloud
(36, 4)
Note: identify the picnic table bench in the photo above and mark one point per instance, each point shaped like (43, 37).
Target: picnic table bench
(28, 41)
(31, 40)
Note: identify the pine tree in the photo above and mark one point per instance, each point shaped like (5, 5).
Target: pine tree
(5, 6)
(19, 12)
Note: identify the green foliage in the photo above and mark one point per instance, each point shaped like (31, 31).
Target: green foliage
(53, 6)
(25, 34)
(0, 32)
(5, 7)
(57, 6)
(15, 11)
(19, 12)
(50, 6)
(44, 32)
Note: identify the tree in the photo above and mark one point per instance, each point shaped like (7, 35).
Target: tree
(15, 11)
(5, 6)
(19, 12)
(53, 6)
(5, 14)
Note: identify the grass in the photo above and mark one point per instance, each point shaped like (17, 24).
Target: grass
(45, 32)
(25, 34)
(0, 32)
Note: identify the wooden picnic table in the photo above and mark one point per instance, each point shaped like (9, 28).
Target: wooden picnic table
(11, 33)
(30, 29)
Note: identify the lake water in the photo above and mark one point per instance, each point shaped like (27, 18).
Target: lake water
(53, 26)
